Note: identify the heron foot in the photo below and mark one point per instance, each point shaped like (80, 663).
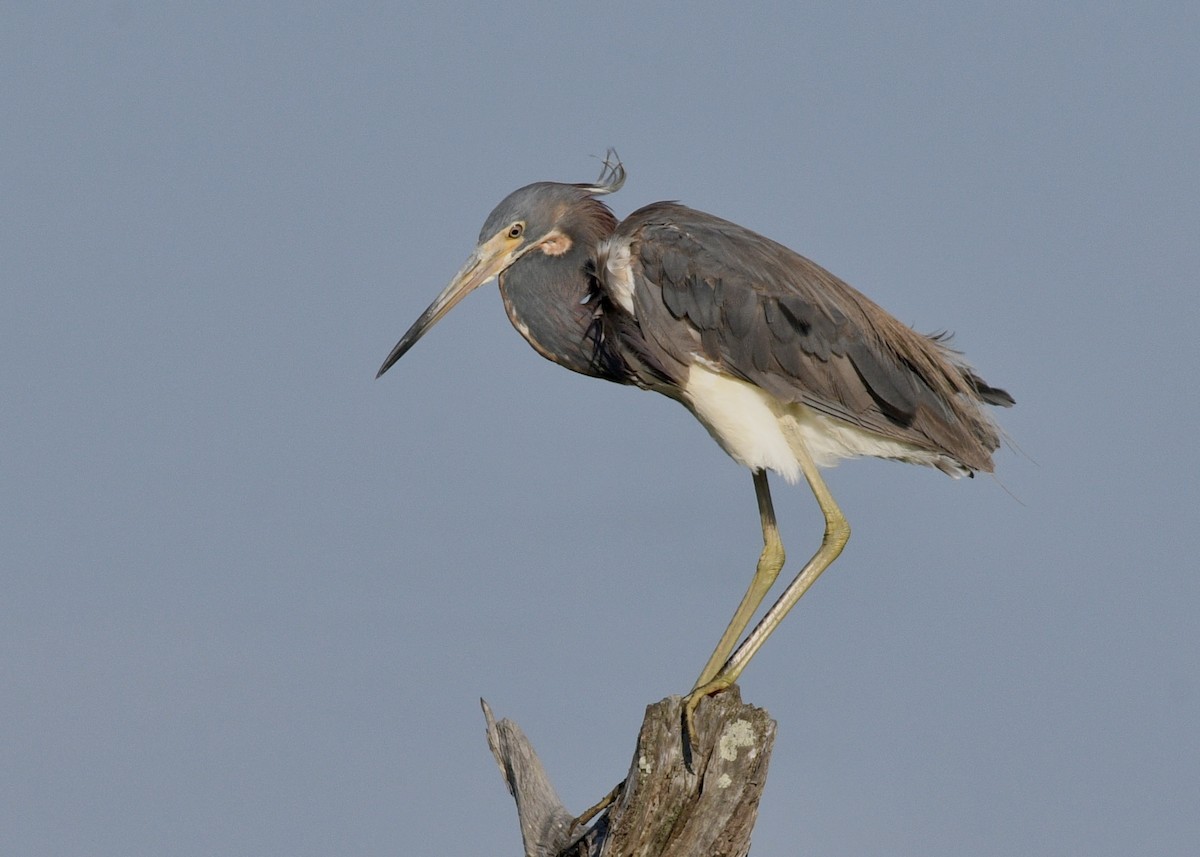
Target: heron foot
(691, 702)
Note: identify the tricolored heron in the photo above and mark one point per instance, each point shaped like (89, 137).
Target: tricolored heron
(788, 367)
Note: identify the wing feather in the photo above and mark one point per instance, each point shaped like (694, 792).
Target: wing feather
(709, 289)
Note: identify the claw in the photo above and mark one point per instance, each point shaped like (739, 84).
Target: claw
(692, 701)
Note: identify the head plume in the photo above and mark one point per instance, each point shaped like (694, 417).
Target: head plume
(612, 176)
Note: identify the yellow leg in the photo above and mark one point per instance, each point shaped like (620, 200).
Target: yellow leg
(770, 561)
(837, 533)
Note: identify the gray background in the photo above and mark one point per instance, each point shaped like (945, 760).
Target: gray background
(250, 596)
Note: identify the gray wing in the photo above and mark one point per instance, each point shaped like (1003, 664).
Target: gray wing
(705, 287)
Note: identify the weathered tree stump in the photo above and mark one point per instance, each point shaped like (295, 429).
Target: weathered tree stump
(673, 803)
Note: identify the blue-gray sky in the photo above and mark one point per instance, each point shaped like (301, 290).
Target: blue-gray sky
(250, 596)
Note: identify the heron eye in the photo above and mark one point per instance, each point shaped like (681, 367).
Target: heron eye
(515, 230)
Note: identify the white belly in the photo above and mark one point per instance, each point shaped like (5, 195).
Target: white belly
(760, 432)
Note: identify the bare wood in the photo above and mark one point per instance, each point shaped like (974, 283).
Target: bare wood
(545, 822)
(674, 803)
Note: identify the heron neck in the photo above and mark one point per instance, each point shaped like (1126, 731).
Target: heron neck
(551, 301)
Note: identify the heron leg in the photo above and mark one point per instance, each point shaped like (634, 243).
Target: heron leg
(837, 533)
(770, 562)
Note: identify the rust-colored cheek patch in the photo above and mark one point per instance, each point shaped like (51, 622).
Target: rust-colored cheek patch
(556, 244)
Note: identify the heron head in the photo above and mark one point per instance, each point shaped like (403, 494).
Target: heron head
(533, 219)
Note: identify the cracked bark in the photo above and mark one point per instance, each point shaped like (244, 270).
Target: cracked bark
(674, 804)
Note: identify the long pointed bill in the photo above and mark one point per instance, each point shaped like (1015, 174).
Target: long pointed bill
(485, 264)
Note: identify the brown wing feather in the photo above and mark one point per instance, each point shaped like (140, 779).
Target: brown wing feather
(763, 313)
